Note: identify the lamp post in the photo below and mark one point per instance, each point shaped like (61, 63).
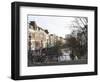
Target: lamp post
(29, 50)
(29, 42)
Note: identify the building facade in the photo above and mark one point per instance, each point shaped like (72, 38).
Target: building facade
(40, 38)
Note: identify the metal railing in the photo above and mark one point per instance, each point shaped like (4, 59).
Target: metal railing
(44, 58)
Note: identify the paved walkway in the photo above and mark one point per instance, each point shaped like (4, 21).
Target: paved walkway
(72, 62)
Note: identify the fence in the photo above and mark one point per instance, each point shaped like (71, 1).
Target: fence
(49, 59)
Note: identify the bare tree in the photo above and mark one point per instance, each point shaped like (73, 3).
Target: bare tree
(78, 41)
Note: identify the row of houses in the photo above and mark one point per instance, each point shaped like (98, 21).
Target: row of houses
(40, 38)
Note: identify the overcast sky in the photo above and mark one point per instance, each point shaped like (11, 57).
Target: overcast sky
(55, 24)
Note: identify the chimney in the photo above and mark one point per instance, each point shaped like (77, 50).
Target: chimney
(33, 23)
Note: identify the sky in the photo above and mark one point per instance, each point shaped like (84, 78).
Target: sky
(57, 25)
